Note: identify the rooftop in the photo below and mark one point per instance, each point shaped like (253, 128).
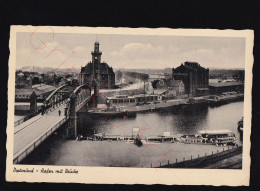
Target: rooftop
(120, 97)
(222, 131)
(191, 66)
(37, 89)
(156, 91)
(28, 91)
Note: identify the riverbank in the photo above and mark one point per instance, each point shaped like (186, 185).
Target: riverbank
(164, 104)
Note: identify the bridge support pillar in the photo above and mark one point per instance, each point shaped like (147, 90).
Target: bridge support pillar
(96, 92)
(33, 103)
(72, 127)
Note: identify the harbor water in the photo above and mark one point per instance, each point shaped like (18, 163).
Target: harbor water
(177, 121)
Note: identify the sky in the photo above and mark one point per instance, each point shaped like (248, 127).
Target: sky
(72, 50)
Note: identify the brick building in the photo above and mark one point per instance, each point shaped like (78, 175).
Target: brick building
(97, 70)
(194, 77)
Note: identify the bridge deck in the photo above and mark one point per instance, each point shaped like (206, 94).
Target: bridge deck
(31, 133)
(27, 134)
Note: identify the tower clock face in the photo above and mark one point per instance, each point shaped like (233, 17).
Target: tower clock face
(95, 58)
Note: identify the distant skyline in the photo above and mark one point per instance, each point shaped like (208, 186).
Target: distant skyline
(129, 51)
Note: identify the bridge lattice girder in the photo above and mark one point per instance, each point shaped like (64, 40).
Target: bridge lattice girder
(82, 92)
(59, 95)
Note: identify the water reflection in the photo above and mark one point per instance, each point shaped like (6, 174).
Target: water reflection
(189, 120)
(177, 120)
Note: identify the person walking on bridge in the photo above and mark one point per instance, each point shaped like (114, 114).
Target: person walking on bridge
(43, 109)
(59, 112)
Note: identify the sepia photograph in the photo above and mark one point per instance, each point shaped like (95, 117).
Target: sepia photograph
(141, 102)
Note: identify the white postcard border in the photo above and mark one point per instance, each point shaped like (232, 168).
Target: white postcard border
(118, 175)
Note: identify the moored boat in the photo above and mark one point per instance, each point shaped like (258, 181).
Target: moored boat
(225, 97)
(138, 140)
(212, 137)
(121, 111)
(160, 139)
(240, 124)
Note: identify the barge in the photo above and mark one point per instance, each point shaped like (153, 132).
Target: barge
(225, 98)
(121, 111)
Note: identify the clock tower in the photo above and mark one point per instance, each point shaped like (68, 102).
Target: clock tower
(97, 74)
(96, 59)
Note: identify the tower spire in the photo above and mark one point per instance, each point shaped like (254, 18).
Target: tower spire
(96, 47)
(96, 59)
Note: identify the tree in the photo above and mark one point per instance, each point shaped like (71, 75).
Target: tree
(119, 75)
(154, 83)
(35, 80)
(143, 77)
(239, 75)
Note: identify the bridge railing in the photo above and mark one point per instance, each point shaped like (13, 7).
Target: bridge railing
(19, 156)
(46, 110)
(50, 108)
(18, 122)
(27, 117)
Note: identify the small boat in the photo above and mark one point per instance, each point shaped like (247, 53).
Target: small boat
(138, 140)
(240, 125)
(212, 137)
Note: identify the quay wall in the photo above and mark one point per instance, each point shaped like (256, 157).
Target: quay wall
(201, 162)
(165, 103)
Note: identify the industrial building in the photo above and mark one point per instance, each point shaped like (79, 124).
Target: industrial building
(42, 91)
(194, 77)
(218, 88)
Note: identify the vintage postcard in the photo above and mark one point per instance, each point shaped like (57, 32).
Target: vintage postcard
(129, 106)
